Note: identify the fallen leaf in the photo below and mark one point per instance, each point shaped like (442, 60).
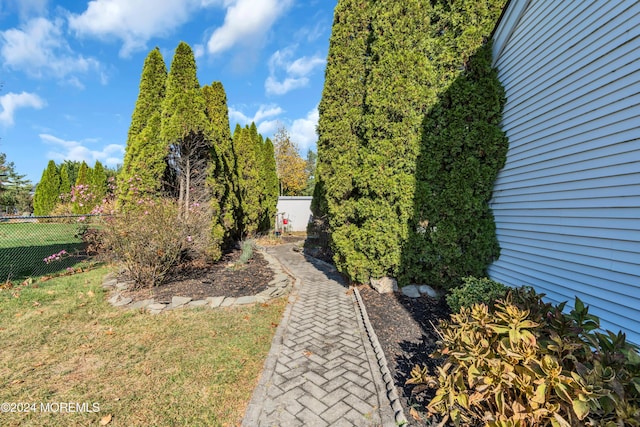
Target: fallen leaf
(18, 314)
(36, 304)
(90, 294)
(50, 292)
(416, 416)
(37, 365)
(274, 325)
(105, 420)
(307, 353)
(14, 382)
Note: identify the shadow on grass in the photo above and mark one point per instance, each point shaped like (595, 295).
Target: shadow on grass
(28, 261)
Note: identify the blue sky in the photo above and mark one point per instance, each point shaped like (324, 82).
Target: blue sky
(70, 69)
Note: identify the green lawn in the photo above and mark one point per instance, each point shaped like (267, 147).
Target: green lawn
(62, 342)
(23, 246)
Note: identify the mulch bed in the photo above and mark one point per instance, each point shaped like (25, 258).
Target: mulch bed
(405, 329)
(220, 279)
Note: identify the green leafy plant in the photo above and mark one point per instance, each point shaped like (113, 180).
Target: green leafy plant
(473, 291)
(524, 362)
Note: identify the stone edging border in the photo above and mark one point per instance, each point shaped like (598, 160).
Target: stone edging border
(279, 286)
(392, 393)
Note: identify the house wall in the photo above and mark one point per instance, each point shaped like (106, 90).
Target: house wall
(297, 209)
(567, 203)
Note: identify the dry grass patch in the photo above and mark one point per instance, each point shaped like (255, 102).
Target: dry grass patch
(63, 343)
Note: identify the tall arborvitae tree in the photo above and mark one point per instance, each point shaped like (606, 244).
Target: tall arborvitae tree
(65, 181)
(387, 65)
(47, 193)
(83, 201)
(186, 129)
(223, 176)
(98, 182)
(248, 156)
(146, 154)
(340, 128)
(270, 190)
(398, 92)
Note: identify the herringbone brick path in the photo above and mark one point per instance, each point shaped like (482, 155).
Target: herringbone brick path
(320, 371)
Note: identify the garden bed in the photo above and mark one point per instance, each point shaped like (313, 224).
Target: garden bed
(404, 327)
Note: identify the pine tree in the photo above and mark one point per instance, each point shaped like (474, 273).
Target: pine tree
(47, 192)
(186, 129)
(223, 175)
(145, 157)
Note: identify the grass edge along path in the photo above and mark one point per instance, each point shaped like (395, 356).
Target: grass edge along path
(62, 342)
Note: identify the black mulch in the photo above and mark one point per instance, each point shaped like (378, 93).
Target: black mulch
(405, 329)
(200, 281)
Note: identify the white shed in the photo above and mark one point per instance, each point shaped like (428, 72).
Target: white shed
(297, 211)
(567, 203)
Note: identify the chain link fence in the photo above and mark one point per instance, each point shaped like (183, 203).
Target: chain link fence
(37, 246)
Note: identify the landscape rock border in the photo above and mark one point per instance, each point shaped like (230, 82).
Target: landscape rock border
(280, 285)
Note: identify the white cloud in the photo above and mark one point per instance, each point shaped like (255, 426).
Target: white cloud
(134, 22)
(38, 47)
(296, 71)
(246, 22)
(303, 131)
(110, 155)
(12, 101)
(264, 111)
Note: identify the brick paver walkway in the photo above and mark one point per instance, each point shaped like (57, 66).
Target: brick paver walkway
(321, 370)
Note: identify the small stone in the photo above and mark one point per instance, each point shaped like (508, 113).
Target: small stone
(109, 283)
(246, 300)
(197, 303)
(385, 285)
(141, 304)
(155, 311)
(123, 301)
(179, 301)
(114, 299)
(123, 286)
(411, 291)
(156, 307)
(426, 289)
(280, 277)
(215, 301)
(110, 276)
(262, 298)
(228, 302)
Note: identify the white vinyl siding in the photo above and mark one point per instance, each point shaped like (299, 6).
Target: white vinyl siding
(567, 203)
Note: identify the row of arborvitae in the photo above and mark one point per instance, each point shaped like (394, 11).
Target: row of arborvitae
(180, 147)
(71, 188)
(409, 140)
(523, 362)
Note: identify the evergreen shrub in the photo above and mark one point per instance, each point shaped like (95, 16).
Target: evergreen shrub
(409, 142)
(475, 291)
